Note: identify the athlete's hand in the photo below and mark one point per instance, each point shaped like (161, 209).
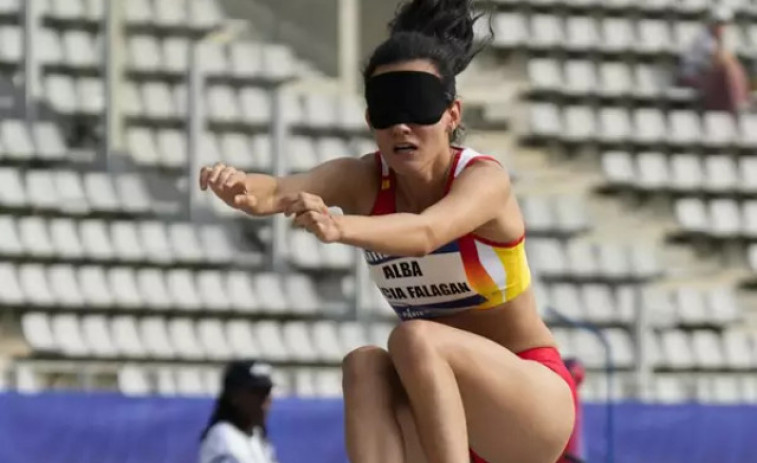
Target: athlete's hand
(312, 214)
(234, 188)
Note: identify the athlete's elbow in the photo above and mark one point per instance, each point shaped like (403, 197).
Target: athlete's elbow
(427, 240)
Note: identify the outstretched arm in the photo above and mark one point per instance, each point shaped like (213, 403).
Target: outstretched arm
(474, 200)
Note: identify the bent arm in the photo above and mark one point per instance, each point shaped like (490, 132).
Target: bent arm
(476, 198)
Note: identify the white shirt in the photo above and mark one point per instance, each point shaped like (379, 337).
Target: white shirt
(224, 443)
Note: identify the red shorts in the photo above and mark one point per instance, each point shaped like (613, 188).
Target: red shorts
(549, 357)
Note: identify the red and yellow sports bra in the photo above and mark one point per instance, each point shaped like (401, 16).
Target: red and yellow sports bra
(468, 273)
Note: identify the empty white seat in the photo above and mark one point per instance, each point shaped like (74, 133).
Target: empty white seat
(68, 336)
(242, 339)
(270, 341)
(598, 303)
(101, 194)
(132, 193)
(617, 35)
(319, 110)
(152, 288)
(95, 287)
(720, 129)
(721, 173)
(670, 389)
(49, 48)
(241, 292)
(644, 259)
(737, 350)
(302, 293)
(537, 213)
(589, 349)
(184, 339)
(133, 382)
(213, 59)
(627, 299)
(16, 140)
(330, 148)
(11, 44)
(11, 291)
(185, 244)
(269, 288)
(79, 49)
(33, 280)
(328, 382)
(96, 239)
(297, 338)
(172, 146)
(11, 244)
(722, 306)
(566, 300)
(615, 124)
(622, 347)
(190, 382)
(350, 112)
(212, 290)
(686, 173)
(182, 288)
(212, 338)
(131, 99)
(612, 259)
(749, 218)
(653, 171)
(352, 335)
(216, 244)
(748, 174)
(126, 243)
(245, 59)
(38, 186)
(510, 29)
(158, 101)
(141, 144)
(547, 256)
(126, 337)
(64, 285)
(654, 36)
(692, 215)
(96, 333)
(91, 95)
(236, 150)
(166, 382)
(677, 350)
(708, 353)
(61, 93)
(581, 77)
(38, 332)
(125, 287)
(616, 79)
(171, 14)
(12, 191)
(35, 237)
(545, 120)
(255, 106)
(144, 53)
(154, 237)
(325, 338)
(155, 338)
(619, 168)
(175, 54)
(580, 124)
(545, 74)
(685, 128)
(725, 217)
(304, 249)
(222, 104)
(48, 141)
(139, 12)
(659, 306)
(651, 127)
(748, 130)
(546, 31)
(278, 61)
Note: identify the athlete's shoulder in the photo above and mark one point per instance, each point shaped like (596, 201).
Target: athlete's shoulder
(223, 437)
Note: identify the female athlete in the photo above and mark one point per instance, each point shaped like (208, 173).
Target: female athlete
(472, 373)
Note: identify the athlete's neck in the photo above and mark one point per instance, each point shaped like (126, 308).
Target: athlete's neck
(420, 190)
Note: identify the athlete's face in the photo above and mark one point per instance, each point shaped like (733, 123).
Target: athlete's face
(410, 147)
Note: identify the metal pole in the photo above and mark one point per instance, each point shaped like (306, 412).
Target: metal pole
(31, 65)
(195, 123)
(112, 58)
(280, 168)
(349, 41)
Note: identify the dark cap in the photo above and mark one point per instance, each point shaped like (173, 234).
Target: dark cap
(251, 374)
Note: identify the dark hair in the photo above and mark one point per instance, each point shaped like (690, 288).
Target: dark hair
(440, 31)
(224, 410)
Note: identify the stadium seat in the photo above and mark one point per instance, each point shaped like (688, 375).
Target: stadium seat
(749, 218)
(567, 300)
(126, 337)
(325, 338)
(242, 339)
(707, 349)
(212, 291)
(183, 289)
(126, 243)
(685, 128)
(79, 49)
(651, 127)
(185, 243)
(184, 338)
(133, 381)
(296, 336)
(33, 280)
(241, 292)
(547, 256)
(211, 336)
(271, 342)
(65, 286)
(262, 150)
(598, 302)
(141, 143)
(125, 288)
(11, 44)
(652, 171)
(510, 30)
(738, 353)
(101, 193)
(166, 383)
(352, 336)
(617, 35)
(748, 174)
(158, 101)
(619, 168)
(255, 106)
(720, 129)
(613, 261)
(627, 299)
(96, 239)
(581, 78)
(236, 150)
(725, 218)
(11, 291)
(68, 336)
(330, 148)
(96, 333)
(35, 237)
(615, 124)
(654, 37)
(172, 146)
(61, 93)
(95, 287)
(303, 297)
(16, 140)
(11, 244)
(91, 94)
(686, 173)
(670, 389)
(154, 237)
(616, 77)
(48, 141)
(564, 342)
(222, 104)
(537, 213)
(328, 382)
(580, 124)
(38, 186)
(677, 350)
(748, 130)
(692, 215)
(721, 173)
(269, 288)
(690, 303)
(38, 332)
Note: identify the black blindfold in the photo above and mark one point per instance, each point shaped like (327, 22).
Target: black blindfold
(405, 97)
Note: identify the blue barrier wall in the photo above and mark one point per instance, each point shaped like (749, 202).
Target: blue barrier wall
(75, 428)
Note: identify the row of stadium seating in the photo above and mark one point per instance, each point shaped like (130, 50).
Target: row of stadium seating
(651, 8)
(643, 126)
(611, 34)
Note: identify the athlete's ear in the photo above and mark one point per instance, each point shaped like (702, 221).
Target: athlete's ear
(456, 114)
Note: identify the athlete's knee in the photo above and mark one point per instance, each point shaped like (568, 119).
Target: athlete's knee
(363, 364)
(411, 343)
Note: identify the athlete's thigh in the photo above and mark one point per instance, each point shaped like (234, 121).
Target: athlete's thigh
(516, 410)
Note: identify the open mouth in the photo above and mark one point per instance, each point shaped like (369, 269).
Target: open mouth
(405, 148)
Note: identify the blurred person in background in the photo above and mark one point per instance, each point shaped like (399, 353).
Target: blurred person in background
(236, 431)
(713, 70)
(576, 452)
(472, 373)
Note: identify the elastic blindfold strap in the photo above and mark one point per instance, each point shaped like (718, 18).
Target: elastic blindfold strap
(405, 97)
